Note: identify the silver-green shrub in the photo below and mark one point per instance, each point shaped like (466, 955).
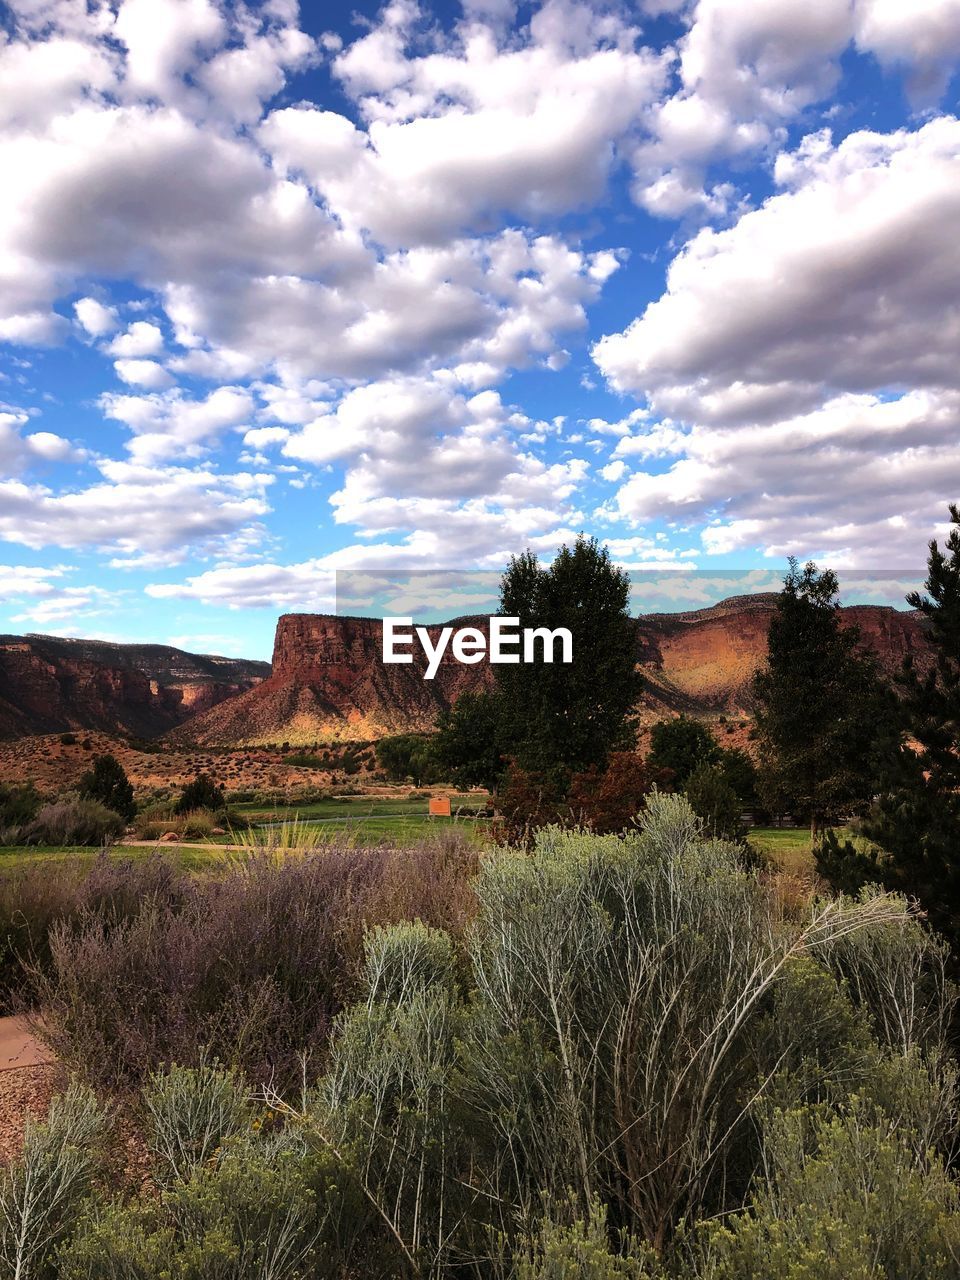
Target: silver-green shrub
(43, 1191)
(191, 1113)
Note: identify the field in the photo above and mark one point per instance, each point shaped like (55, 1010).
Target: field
(363, 820)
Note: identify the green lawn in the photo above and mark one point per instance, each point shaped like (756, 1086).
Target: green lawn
(790, 847)
(364, 821)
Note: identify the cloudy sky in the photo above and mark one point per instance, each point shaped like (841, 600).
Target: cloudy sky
(291, 291)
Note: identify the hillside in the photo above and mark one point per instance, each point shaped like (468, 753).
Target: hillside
(49, 685)
(328, 682)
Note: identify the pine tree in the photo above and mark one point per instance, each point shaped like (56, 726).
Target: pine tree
(108, 783)
(916, 820)
(822, 711)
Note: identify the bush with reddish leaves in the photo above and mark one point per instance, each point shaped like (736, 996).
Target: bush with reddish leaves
(605, 801)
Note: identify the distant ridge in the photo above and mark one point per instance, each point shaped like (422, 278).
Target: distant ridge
(328, 682)
(51, 684)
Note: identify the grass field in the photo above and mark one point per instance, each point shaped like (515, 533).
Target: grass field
(363, 820)
(790, 847)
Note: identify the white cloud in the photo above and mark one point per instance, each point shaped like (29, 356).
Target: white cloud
(307, 586)
(95, 317)
(17, 451)
(847, 280)
(749, 69)
(485, 124)
(140, 339)
(136, 511)
(860, 481)
(168, 424)
(143, 373)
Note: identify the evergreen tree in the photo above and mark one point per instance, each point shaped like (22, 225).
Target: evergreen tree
(108, 784)
(564, 717)
(681, 745)
(916, 820)
(823, 713)
(201, 793)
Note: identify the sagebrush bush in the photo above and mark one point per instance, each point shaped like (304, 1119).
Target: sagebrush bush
(250, 967)
(633, 1012)
(191, 1113)
(73, 821)
(600, 1059)
(43, 1191)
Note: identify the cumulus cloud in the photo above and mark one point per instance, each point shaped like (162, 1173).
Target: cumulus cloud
(747, 70)
(169, 424)
(19, 451)
(96, 318)
(140, 339)
(860, 480)
(848, 280)
(485, 124)
(136, 512)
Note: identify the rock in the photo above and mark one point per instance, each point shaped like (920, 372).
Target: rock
(168, 837)
(218, 831)
(328, 681)
(49, 684)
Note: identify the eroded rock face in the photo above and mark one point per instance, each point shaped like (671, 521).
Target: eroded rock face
(329, 682)
(50, 685)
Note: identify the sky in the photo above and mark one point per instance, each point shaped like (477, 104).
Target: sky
(291, 292)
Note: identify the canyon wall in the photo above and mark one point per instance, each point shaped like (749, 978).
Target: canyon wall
(328, 681)
(52, 685)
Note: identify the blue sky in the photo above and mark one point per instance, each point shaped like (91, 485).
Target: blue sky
(289, 292)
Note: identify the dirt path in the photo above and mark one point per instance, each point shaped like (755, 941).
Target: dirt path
(18, 1048)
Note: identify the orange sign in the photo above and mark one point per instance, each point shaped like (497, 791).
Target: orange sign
(439, 806)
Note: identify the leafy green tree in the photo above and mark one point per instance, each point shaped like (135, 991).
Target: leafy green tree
(824, 716)
(108, 784)
(564, 717)
(916, 819)
(201, 793)
(468, 741)
(740, 773)
(681, 745)
(713, 799)
(409, 755)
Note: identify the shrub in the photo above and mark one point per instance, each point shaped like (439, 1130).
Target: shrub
(191, 1113)
(250, 968)
(108, 784)
(32, 900)
(638, 1007)
(841, 1198)
(74, 821)
(266, 1210)
(19, 805)
(201, 793)
(42, 1192)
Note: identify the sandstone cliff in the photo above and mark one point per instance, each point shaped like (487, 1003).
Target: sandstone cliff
(328, 681)
(49, 685)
